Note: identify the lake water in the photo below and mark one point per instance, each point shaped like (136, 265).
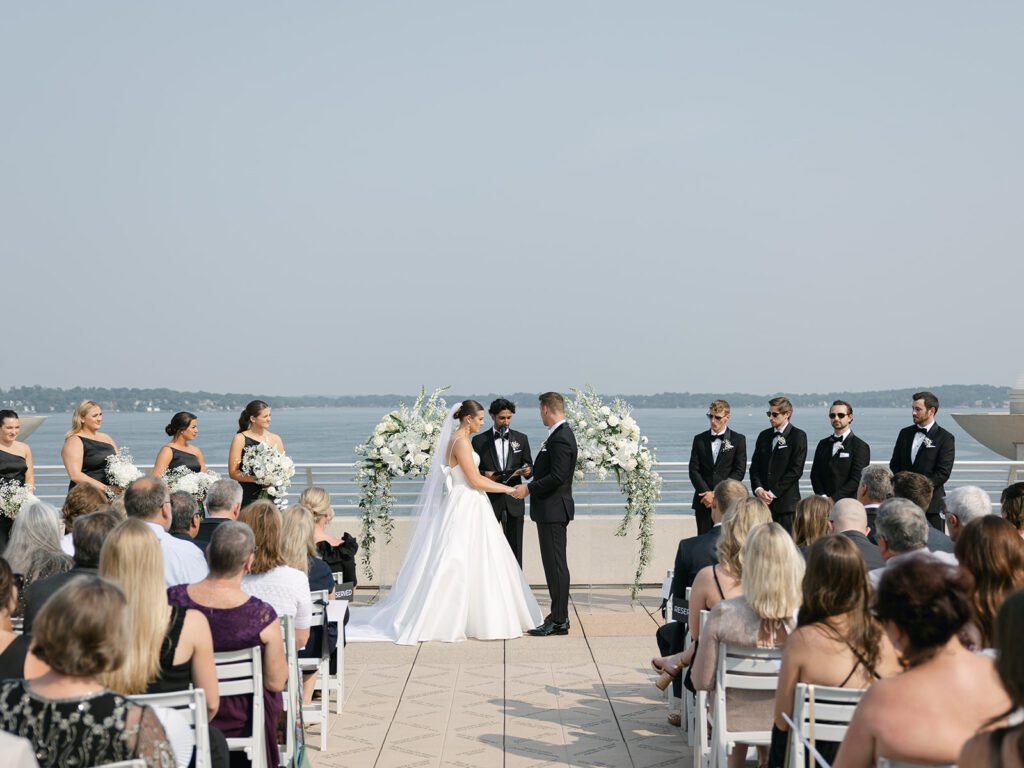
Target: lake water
(328, 435)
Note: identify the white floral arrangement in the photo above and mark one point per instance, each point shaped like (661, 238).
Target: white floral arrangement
(609, 441)
(195, 484)
(121, 470)
(13, 496)
(401, 445)
(270, 468)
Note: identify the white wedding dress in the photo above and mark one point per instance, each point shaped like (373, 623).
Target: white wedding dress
(459, 579)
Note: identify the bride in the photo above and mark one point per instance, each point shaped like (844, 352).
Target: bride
(459, 578)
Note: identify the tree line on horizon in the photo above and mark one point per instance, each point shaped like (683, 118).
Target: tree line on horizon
(40, 399)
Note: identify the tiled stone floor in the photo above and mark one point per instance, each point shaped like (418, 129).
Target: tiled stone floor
(582, 700)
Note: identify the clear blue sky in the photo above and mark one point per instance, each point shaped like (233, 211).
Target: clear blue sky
(359, 197)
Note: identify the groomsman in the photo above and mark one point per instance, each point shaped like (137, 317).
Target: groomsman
(840, 457)
(505, 458)
(928, 449)
(778, 463)
(717, 454)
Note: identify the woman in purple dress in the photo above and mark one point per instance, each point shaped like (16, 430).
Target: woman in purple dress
(239, 621)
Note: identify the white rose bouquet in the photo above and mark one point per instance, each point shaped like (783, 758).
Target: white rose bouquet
(121, 469)
(270, 468)
(401, 445)
(195, 484)
(13, 496)
(609, 440)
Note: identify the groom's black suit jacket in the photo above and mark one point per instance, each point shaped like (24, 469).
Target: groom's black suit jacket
(838, 476)
(706, 473)
(779, 470)
(551, 487)
(484, 445)
(934, 462)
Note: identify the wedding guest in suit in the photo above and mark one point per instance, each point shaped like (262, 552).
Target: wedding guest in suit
(928, 449)
(778, 463)
(223, 503)
(917, 488)
(839, 458)
(184, 517)
(903, 535)
(717, 454)
(848, 518)
(875, 487)
(964, 504)
(552, 508)
(505, 458)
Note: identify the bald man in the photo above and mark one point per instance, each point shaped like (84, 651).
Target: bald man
(849, 518)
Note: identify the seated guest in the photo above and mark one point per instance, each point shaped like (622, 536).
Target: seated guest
(90, 532)
(991, 551)
(849, 518)
(148, 500)
(810, 521)
(717, 582)
(837, 642)
(223, 503)
(81, 500)
(33, 551)
(1003, 746)
(964, 504)
(918, 488)
(184, 517)
(237, 621)
(763, 617)
(16, 662)
(875, 487)
(339, 554)
(1011, 506)
(269, 579)
(902, 535)
(67, 714)
(921, 605)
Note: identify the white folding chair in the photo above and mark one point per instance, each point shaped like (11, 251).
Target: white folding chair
(240, 673)
(820, 712)
(739, 668)
(292, 691)
(337, 680)
(318, 712)
(697, 718)
(191, 705)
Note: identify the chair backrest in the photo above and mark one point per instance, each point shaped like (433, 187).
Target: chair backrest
(696, 723)
(239, 673)
(820, 713)
(884, 762)
(741, 668)
(191, 705)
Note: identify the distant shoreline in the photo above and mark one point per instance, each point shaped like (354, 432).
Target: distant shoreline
(42, 400)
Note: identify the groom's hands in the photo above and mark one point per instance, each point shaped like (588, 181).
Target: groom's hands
(521, 491)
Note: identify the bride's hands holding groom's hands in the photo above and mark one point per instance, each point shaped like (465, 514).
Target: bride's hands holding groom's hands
(521, 491)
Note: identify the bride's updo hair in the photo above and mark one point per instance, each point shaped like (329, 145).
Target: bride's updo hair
(468, 408)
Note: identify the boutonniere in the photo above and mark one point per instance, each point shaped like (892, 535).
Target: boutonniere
(726, 445)
(781, 443)
(543, 446)
(515, 446)
(927, 442)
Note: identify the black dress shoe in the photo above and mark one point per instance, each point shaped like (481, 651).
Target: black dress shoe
(550, 627)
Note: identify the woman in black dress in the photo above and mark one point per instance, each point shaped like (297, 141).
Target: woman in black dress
(178, 453)
(253, 428)
(86, 449)
(15, 464)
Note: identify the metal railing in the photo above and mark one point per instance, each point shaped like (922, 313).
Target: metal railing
(600, 496)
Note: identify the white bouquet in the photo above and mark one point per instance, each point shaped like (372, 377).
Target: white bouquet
(196, 484)
(121, 469)
(270, 468)
(13, 496)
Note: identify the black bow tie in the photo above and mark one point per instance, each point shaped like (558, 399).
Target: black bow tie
(718, 437)
(923, 430)
(779, 434)
(837, 438)
(500, 435)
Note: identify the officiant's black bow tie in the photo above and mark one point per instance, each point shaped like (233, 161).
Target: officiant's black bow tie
(717, 437)
(837, 438)
(923, 430)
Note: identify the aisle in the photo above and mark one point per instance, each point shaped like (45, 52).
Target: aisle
(581, 700)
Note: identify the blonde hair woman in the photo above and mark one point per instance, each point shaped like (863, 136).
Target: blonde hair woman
(762, 617)
(168, 648)
(339, 554)
(717, 582)
(86, 449)
(810, 522)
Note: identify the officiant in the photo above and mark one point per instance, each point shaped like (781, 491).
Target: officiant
(505, 458)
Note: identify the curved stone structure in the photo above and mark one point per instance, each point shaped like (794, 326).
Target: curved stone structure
(1002, 433)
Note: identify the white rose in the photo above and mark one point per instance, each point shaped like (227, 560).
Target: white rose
(582, 423)
(602, 425)
(613, 420)
(378, 441)
(590, 431)
(606, 411)
(578, 475)
(429, 429)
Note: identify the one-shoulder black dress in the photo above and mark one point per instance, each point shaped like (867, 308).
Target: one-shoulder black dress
(12, 467)
(250, 491)
(94, 459)
(184, 459)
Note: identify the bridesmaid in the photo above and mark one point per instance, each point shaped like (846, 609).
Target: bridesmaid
(15, 464)
(178, 453)
(253, 428)
(86, 449)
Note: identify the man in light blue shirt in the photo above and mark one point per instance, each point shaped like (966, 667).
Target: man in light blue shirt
(149, 500)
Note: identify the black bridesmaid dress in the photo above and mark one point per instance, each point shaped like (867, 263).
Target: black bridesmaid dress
(183, 459)
(15, 468)
(250, 491)
(94, 459)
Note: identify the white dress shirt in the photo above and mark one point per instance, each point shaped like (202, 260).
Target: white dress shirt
(944, 558)
(716, 444)
(555, 426)
(836, 446)
(184, 562)
(918, 439)
(501, 448)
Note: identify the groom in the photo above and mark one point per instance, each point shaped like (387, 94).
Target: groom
(552, 507)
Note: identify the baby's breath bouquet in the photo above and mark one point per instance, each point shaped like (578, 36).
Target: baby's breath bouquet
(271, 469)
(121, 470)
(196, 484)
(13, 496)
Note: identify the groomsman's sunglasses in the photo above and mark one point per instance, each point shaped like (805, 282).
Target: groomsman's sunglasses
(835, 416)
(715, 417)
(774, 414)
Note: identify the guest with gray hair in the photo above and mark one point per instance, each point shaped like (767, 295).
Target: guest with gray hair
(964, 504)
(149, 500)
(34, 551)
(184, 516)
(223, 503)
(875, 487)
(848, 518)
(903, 534)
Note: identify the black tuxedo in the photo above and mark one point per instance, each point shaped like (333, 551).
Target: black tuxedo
(206, 528)
(872, 557)
(838, 475)
(934, 461)
(509, 511)
(779, 471)
(551, 508)
(706, 472)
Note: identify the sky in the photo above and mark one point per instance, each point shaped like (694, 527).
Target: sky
(348, 198)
